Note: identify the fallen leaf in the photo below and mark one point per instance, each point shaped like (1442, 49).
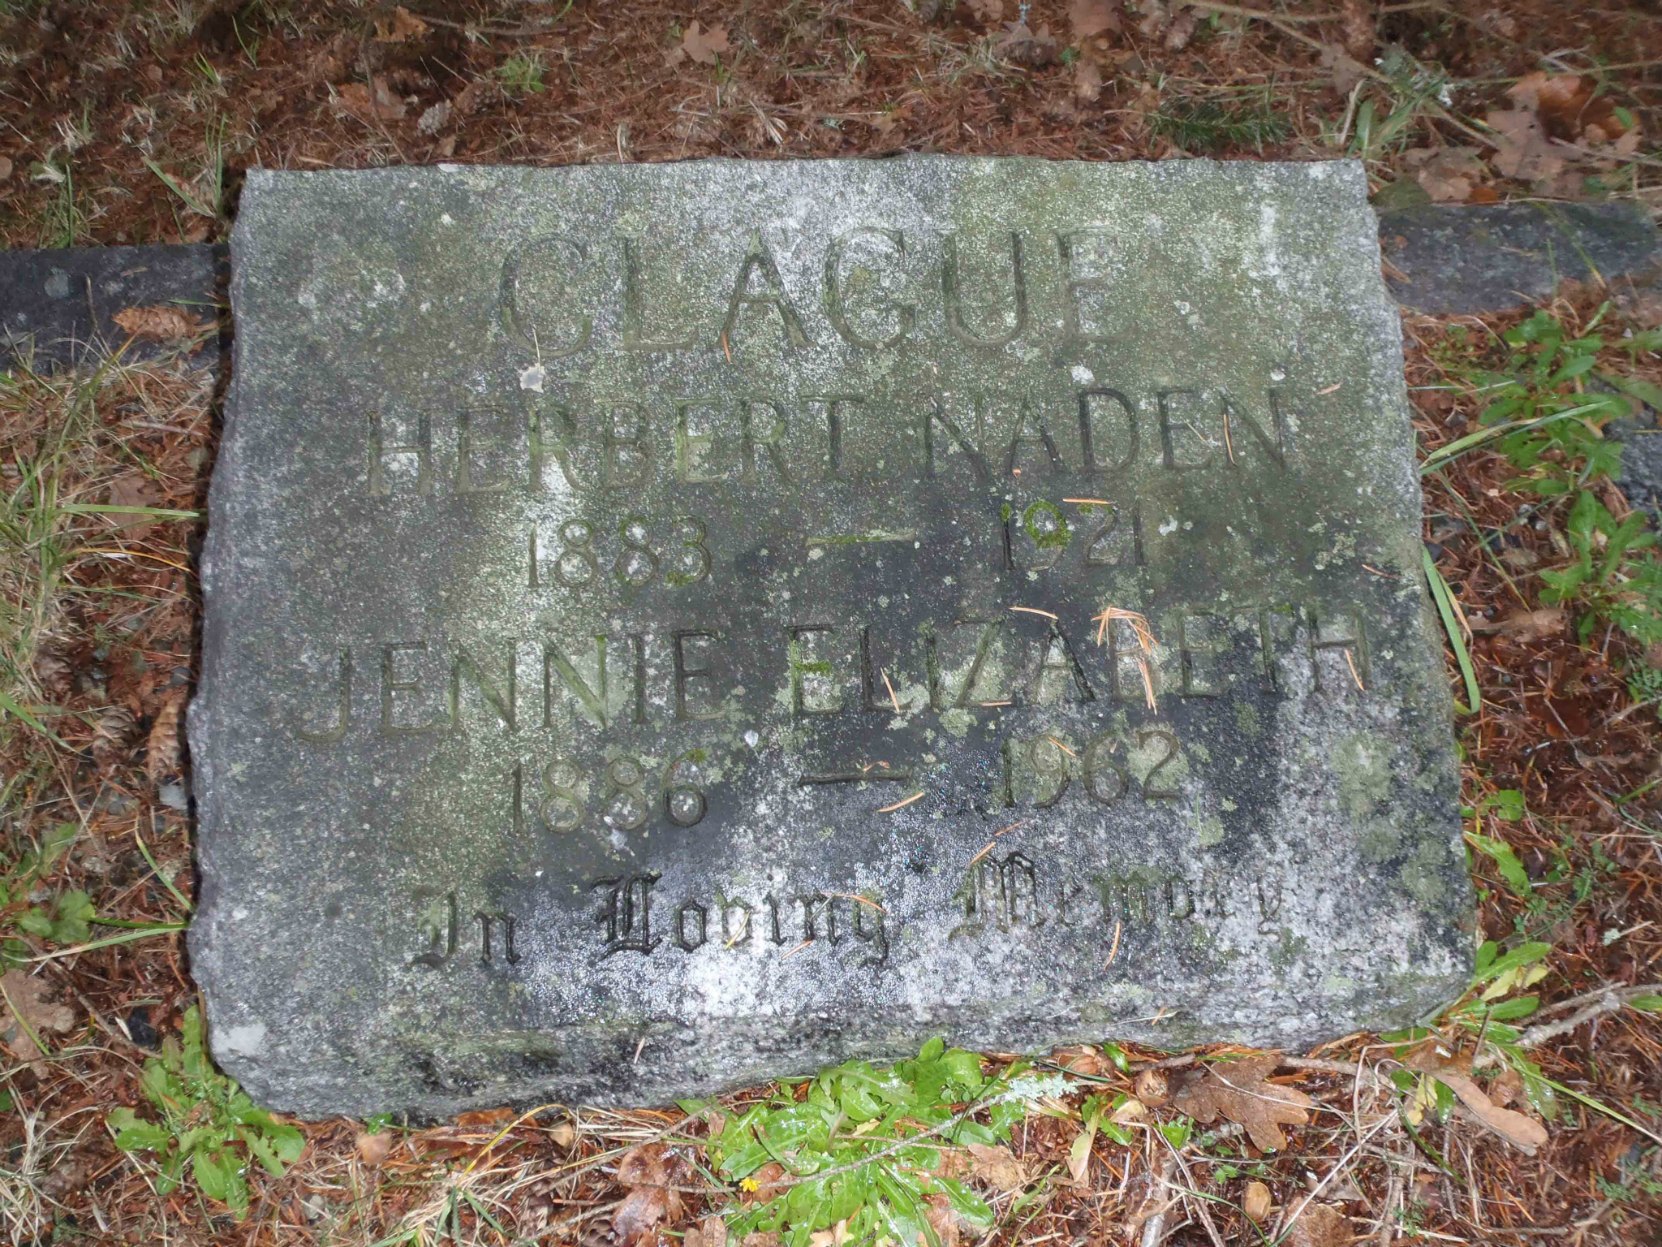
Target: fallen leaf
(373, 1148)
(1525, 625)
(400, 27)
(1093, 17)
(1359, 29)
(163, 750)
(1256, 1201)
(159, 323)
(26, 1014)
(1181, 30)
(1022, 46)
(1347, 71)
(1566, 105)
(5, 168)
(432, 119)
(711, 1232)
(1447, 174)
(937, 1211)
(704, 45)
(644, 1172)
(133, 489)
(1319, 1225)
(483, 1118)
(1087, 79)
(112, 738)
(998, 1167)
(1524, 1133)
(988, 10)
(1152, 1087)
(1239, 1091)
(369, 104)
(1522, 148)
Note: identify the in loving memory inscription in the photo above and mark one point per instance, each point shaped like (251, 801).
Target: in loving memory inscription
(668, 626)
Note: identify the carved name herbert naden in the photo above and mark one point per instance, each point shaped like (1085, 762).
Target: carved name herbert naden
(669, 626)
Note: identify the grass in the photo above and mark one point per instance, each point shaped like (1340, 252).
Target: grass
(1246, 122)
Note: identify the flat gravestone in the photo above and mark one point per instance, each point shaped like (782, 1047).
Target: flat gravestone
(673, 626)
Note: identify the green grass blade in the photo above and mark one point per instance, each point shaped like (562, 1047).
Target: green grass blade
(1451, 625)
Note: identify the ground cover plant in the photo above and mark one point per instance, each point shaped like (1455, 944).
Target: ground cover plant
(1529, 1111)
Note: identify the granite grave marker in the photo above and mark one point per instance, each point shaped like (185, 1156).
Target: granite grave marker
(671, 626)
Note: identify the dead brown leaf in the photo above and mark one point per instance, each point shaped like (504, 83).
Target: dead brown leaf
(1256, 1201)
(136, 490)
(1447, 174)
(710, 1232)
(369, 104)
(1182, 29)
(26, 1014)
(1093, 17)
(1526, 626)
(1320, 1225)
(1359, 29)
(1522, 148)
(373, 1148)
(1524, 1133)
(5, 168)
(702, 45)
(399, 27)
(164, 752)
(998, 1167)
(1239, 1091)
(937, 1210)
(160, 323)
(988, 10)
(1152, 1087)
(1020, 45)
(645, 1173)
(1087, 79)
(1347, 71)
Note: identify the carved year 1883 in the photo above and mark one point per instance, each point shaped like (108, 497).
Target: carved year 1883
(668, 626)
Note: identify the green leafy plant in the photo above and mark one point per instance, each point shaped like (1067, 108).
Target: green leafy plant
(1546, 408)
(205, 1121)
(63, 921)
(1605, 576)
(521, 74)
(864, 1146)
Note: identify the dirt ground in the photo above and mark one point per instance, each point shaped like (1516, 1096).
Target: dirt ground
(135, 123)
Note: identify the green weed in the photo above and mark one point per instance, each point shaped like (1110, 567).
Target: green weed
(864, 1146)
(1373, 131)
(1546, 408)
(205, 1121)
(521, 74)
(63, 920)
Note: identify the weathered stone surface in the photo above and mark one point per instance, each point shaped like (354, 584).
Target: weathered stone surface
(56, 304)
(1463, 259)
(634, 668)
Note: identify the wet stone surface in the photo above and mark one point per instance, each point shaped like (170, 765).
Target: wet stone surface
(671, 626)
